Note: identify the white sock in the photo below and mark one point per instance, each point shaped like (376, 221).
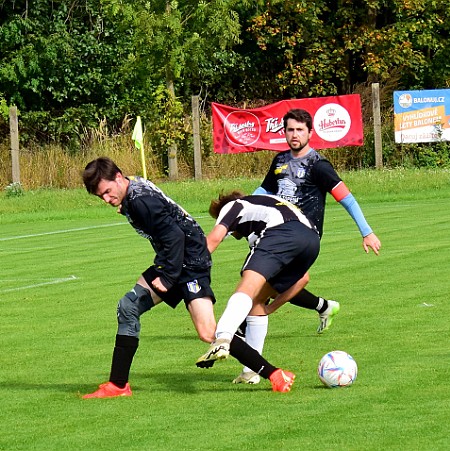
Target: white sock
(237, 309)
(255, 333)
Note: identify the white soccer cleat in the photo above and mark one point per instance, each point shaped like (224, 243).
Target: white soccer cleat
(326, 318)
(247, 377)
(219, 349)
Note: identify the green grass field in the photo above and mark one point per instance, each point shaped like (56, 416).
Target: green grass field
(66, 259)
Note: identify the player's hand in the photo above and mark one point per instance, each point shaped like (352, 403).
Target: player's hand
(371, 241)
(274, 305)
(159, 285)
(268, 308)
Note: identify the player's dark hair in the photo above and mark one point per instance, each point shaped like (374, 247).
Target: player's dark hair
(102, 168)
(298, 115)
(217, 204)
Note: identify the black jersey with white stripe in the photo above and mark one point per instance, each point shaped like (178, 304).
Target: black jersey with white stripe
(176, 237)
(303, 181)
(251, 215)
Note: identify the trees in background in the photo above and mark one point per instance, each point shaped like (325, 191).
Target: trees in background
(61, 64)
(327, 47)
(70, 65)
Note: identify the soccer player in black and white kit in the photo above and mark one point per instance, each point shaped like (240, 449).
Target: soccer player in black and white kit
(304, 177)
(180, 271)
(283, 246)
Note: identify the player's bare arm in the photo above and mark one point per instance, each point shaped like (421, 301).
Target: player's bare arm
(216, 236)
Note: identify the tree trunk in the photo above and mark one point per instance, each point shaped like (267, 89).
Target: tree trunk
(172, 150)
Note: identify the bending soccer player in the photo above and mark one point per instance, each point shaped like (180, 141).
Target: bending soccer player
(283, 246)
(181, 271)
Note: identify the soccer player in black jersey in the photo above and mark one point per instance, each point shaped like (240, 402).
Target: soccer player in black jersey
(283, 246)
(180, 271)
(304, 177)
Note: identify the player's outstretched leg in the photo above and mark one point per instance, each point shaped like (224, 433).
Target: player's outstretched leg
(219, 350)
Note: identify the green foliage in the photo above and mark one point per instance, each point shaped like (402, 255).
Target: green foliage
(326, 47)
(434, 155)
(165, 128)
(72, 65)
(59, 62)
(4, 109)
(14, 189)
(424, 155)
(4, 117)
(68, 129)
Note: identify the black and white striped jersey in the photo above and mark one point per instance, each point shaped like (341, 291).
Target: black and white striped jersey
(251, 215)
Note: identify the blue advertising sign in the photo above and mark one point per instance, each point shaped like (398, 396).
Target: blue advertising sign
(422, 116)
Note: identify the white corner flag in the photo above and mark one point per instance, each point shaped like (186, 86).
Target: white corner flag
(138, 139)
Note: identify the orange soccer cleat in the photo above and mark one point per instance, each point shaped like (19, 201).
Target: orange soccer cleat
(109, 390)
(282, 380)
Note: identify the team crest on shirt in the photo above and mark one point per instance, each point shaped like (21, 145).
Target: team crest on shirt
(194, 286)
(301, 172)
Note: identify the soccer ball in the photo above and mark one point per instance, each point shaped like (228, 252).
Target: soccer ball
(337, 369)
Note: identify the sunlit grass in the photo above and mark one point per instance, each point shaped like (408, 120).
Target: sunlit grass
(67, 258)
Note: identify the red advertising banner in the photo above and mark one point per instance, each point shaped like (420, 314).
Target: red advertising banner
(337, 122)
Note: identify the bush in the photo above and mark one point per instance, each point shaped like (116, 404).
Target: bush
(14, 189)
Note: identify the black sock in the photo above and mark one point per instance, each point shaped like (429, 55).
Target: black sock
(123, 354)
(310, 301)
(323, 307)
(241, 329)
(248, 356)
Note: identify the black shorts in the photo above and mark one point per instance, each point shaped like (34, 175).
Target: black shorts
(284, 254)
(196, 284)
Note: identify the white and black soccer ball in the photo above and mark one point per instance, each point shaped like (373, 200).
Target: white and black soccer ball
(337, 369)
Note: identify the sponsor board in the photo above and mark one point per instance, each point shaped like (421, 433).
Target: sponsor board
(337, 122)
(422, 116)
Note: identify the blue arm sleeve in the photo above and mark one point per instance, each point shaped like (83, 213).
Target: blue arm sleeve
(354, 210)
(260, 190)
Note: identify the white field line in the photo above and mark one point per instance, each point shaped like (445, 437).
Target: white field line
(24, 250)
(55, 232)
(49, 282)
(79, 229)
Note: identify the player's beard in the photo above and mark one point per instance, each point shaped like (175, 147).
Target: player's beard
(301, 146)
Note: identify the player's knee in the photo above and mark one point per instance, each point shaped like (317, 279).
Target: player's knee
(207, 338)
(305, 278)
(206, 334)
(130, 308)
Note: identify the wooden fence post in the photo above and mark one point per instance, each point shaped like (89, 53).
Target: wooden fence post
(14, 132)
(197, 142)
(377, 125)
